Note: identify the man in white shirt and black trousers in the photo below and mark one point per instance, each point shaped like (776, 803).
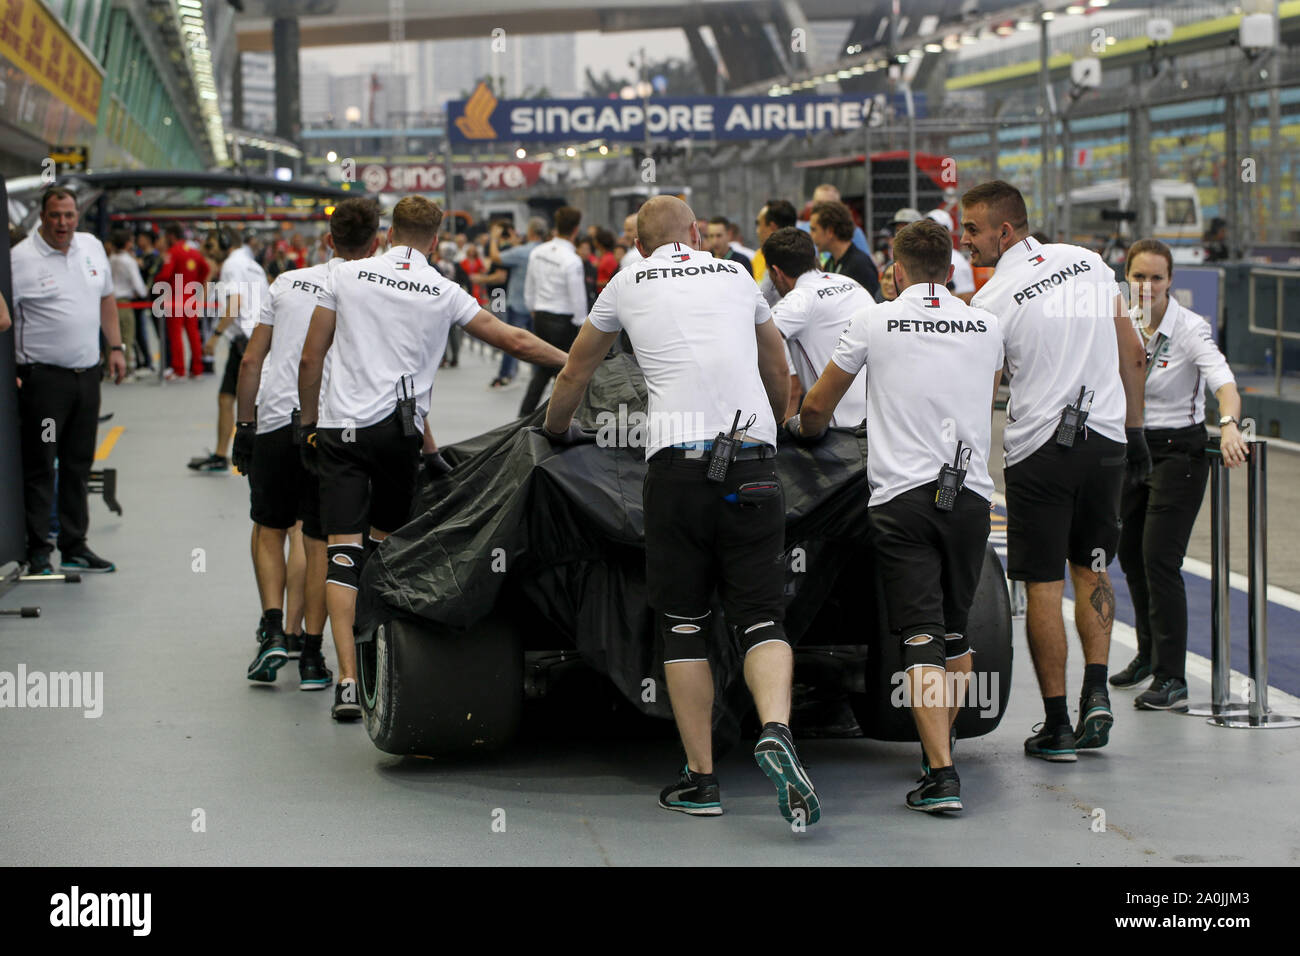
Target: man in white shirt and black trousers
(1073, 437)
(714, 365)
(282, 492)
(556, 294)
(932, 368)
(376, 338)
(62, 299)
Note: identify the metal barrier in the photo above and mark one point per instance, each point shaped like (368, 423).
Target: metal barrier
(1278, 333)
(1222, 711)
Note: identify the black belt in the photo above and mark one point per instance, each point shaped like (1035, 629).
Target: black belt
(25, 369)
(1189, 432)
(757, 453)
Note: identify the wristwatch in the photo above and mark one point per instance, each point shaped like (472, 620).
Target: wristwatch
(1228, 420)
(117, 348)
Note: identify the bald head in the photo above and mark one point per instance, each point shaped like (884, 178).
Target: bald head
(826, 193)
(664, 219)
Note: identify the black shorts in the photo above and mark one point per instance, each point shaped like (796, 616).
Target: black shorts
(230, 377)
(369, 481)
(696, 540)
(280, 489)
(929, 560)
(1064, 504)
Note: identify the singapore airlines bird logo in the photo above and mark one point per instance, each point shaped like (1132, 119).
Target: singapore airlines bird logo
(478, 108)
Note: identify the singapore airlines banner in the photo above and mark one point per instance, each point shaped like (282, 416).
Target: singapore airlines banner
(483, 119)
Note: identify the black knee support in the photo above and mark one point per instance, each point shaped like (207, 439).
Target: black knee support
(922, 649)
(685, 637)
(955, 646)
(345, 565)
(750, 634)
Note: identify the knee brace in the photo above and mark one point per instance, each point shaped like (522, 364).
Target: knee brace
(922, 649)
(750, 634)
(685, 637)
(955, 646)
(371, 545)
(345, 565)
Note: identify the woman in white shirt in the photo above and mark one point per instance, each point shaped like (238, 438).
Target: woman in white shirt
(1158, 514)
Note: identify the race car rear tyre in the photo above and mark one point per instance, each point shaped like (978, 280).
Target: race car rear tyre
(881, 711)
(438, 691)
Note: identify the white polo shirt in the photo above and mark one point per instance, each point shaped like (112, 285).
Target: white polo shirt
(691, 320)
(812, 316)
(1182, 362)
(56, 300)
(555, 281)
(287, 309)
(242, 276)
(393, 313)
(930, 361)
(1056, 305)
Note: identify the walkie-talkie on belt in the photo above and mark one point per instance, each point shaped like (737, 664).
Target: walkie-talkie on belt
(1073, 418)
(406, 408)
(724, 452)
(951, 479)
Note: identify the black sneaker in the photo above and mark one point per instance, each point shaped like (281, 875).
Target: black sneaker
(1095, 721)
(776, 757)
(270, 657)
(346, 704)
(694, 793)
(210, 463)
(293, 645)
(939, 790)
(1052, 743)
(1136, 672)
(84, 559)
(312, 672)
(39, 563)
(1167, 693)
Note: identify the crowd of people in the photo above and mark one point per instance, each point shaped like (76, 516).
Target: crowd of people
(334, 350)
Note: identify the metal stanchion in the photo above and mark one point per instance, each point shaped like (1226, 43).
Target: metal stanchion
(1221, 701)
(1258, 714)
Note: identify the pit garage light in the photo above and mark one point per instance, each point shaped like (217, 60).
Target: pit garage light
(283, 173)
(934, 48)
(198, 57)
(903, 58)
(570, 152)
(952, 41)
(1048, 15)
(604, 150)
(1075, 10)
(1005, 29)
(1025, 24)
(969, 38)
(331, 157)
(844, 74)
(520, 153)
(1095, 4)
(329, 210)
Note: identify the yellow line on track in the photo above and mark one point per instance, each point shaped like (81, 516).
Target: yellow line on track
(106, 446)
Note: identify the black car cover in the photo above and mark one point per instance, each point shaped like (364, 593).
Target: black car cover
(564, 529)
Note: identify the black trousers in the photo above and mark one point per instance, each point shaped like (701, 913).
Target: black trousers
(58, 411)
(559, 331)
(1157, 522)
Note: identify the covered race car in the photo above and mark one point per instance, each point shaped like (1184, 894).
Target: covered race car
(528, 559)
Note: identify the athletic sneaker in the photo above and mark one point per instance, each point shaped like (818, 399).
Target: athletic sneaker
(312, 672)
(271, 656)
(210, 463)
(939, 790)
(694, 793)
(1136, 672)
(39, 563)
(346, 703)
(1168, 693)
(1052, 743)
(1095, 721)
(293, 645)
(83, 559)
(776, 757)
